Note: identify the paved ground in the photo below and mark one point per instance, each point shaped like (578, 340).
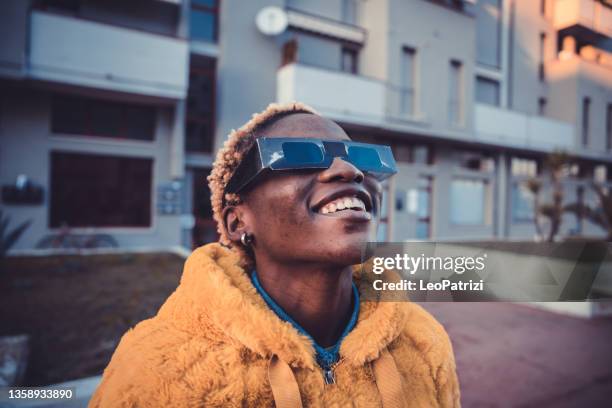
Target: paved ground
(511, 355)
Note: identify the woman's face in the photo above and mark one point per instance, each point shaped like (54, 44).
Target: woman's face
(290, 213)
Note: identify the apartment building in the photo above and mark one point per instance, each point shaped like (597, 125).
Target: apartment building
(111, 111)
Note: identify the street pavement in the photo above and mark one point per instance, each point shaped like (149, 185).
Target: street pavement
(514, 355)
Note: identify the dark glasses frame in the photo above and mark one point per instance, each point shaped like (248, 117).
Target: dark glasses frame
(290, 153)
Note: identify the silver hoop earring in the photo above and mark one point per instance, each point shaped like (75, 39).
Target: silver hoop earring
(246, 239)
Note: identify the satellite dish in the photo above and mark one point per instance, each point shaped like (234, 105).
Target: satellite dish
(271, 20)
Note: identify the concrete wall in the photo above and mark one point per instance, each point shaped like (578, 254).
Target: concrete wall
(526, 87)
(61, 50)
(153, 16)
(436, 45)
(374, 56)
(26, 145)
(246, 67)
(332, 9)
(13, 37)
(575, 79)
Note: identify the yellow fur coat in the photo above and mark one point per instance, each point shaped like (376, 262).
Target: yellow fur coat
(213, 341)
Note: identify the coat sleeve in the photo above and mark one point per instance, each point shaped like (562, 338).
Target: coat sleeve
(145, 369)
(127, 380)
(156, 365)
(447, 383)
(431, 339)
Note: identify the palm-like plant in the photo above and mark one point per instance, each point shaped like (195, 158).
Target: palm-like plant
(553, 210)
(601, 215)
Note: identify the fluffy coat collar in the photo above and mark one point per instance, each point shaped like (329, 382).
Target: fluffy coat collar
(216, 295)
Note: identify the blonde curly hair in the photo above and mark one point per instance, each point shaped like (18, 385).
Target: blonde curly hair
(231, 154)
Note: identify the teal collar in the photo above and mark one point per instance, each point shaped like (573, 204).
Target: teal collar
(326, 356)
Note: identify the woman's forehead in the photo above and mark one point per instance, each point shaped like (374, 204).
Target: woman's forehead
(304, 125)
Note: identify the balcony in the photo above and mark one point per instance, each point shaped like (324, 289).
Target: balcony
(595, 68)
(90, 54)
(340, 95)
(329, 27)
(514, 129)
(586, 13)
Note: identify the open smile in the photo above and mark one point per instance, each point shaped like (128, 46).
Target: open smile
(347, 203)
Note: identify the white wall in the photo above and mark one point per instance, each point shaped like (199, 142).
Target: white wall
(336, 94)
(79, 52)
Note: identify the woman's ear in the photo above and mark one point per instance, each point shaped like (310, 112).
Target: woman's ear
(233, 221)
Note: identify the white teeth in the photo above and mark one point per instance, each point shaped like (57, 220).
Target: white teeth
(343, 203)
(358, 204)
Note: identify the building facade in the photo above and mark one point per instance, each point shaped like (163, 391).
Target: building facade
(111, 111)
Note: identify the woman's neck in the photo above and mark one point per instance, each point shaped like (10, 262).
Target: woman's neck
(319, 300)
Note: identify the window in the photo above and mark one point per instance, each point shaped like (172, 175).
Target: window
(423, 213)
(520, 167)
(541, 73)
(349, 60)
(522, 203)
(72, 115)
(454, 4)
(487, 91)
(586, 105)
(573, 170)
(402, 152)
(600, 173)
(100, 191)
(468, 201)
(488, 33)
(405, 152)
(422, 154)
(408, 81)
(323, 52)
(203, 20)
(64, 6)
(200, 121)
(609, 127)
(349, 11)
(475, 161)
(542, 102)
(455, 108)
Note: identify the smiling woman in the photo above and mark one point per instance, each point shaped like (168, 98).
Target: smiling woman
(272, 315)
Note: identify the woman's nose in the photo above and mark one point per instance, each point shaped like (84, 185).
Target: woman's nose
(341, 170)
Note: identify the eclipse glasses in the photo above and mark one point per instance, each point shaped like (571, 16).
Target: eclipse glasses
(288, 153)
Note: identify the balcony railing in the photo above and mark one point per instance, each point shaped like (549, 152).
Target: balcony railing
(364, 101)
(334, 93)
(90, 54)
(515, 129)
(588, 13)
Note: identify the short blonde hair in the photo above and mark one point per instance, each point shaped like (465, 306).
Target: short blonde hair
(231, 154)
